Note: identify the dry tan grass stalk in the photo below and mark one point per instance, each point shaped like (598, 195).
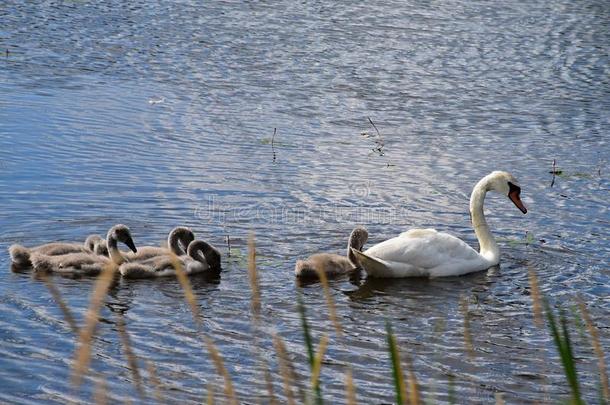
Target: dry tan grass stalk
(210, 396)
(189, 296)
(413, 391)
(253, 276)
(287, 378)
(350, 390)
(255, 303)
(132, 360)
(499, 398)
(221, 370)
(83, 352)
(332, 312)
(62, 304)
(317, 363)
(295, 381)
(100, 396)
(269, 383)
(597, 348)
(467, 335)
(154, 379)
(536, 298)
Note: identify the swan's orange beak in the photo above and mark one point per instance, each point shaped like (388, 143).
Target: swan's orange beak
(514, 195)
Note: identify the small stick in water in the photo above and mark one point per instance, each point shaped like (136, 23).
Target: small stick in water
(379, 141)
(272, 143)
(229, 245)
(555, 171)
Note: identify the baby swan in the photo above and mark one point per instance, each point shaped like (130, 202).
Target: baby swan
(97, 245)
(330, 264)
(200, 257)
(85, 263)
(178, 241)
(20, 255)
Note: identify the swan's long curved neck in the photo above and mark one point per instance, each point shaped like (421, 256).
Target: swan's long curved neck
(350, 255)
(488, 246)
(353, 242)
(174, 245)
(113, 251)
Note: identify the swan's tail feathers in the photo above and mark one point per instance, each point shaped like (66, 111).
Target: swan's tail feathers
(372, 266)
(41, 263)
(20, 255)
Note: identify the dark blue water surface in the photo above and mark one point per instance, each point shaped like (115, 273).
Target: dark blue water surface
(157, 114)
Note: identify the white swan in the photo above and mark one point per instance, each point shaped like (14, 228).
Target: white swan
(333, 264)
(178, 241)
(428, 253)
(20, 255)
(200, 257)
(85, 263)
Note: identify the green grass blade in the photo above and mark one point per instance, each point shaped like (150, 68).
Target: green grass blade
(399, 382)
(308, 344)
(564, 348)
(569, 363)
(306, 333)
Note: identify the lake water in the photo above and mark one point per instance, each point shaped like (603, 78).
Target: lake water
(162, 114)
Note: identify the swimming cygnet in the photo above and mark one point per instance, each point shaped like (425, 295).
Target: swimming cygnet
(200, 257)
(97, 245)
(20, 255)
(178, 241)
(333, 264)
(85, 263)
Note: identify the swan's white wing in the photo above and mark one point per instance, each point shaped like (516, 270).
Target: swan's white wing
(423, 252)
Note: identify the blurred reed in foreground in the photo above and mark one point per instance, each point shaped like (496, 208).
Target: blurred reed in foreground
(406, 387)
(83, 349)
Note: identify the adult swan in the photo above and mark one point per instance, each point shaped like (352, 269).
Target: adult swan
(428, 253)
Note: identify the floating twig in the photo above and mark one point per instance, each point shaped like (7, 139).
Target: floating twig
(228, 245)
(273, 144)
(374, 126)
(379, 142)
(555, 171)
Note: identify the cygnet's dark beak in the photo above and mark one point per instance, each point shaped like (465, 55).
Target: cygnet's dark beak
(131, 245)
